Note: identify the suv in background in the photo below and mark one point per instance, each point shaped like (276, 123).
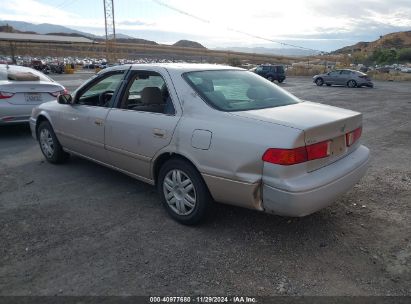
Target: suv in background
(271, 72)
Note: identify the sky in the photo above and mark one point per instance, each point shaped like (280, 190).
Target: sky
(316, 24)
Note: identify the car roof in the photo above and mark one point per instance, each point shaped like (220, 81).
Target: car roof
(175, 67)
(6, 69)
(12, 67)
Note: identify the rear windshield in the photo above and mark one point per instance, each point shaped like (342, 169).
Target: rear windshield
(229, 90)
(22, 74)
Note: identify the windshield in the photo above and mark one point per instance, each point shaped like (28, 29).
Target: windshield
(234, 90)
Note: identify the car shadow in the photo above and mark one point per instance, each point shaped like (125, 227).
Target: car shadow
(15, 131)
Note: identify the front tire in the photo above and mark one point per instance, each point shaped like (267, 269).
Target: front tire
(319, 82)
(49, 144)
(183, 192)
(270, 78)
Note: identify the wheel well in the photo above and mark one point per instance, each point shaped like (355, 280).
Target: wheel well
(163, 158)
(39, 120)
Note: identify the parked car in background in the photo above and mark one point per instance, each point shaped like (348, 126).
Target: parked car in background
(271, 72)
(346, 77)
(207, 132)
(21, 89)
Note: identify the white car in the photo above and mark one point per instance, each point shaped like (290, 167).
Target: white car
(207, 132)
(21, 89)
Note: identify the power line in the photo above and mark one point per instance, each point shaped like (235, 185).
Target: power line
(65, 3)
(159, 2)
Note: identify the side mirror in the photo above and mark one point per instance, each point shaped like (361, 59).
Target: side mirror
(65, 99)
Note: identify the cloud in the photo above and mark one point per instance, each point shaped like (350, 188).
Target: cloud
(314, 21)
(134, 22)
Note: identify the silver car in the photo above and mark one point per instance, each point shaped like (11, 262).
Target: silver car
(345, 77)
(204, 133)
(21, 89)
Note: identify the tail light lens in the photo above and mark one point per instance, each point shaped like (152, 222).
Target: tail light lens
(294, 156)
(56, 94)
(5, 95)
(352, 137)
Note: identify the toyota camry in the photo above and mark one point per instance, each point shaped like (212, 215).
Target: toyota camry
(204, 133)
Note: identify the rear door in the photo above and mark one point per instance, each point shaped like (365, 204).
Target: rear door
(81, 126)
(143, 121)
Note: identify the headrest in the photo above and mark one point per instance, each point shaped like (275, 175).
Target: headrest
(206, 86)
(257, 93)
(151, 95)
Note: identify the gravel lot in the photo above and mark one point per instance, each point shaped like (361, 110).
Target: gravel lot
(83, 229)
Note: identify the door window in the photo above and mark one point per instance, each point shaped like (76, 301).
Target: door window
(100, 93)
(334, 73)
(148, 92)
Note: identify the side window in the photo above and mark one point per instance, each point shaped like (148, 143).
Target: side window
(345, 72)
(335, 73)
(100, 93)
(148, 92)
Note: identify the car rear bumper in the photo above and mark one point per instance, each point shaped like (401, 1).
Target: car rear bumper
(345, 173)
(14, 114)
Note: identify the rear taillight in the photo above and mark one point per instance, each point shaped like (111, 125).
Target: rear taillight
(352, 137)
(294, 156)
(5, 95)
(56, 94)
(364, 77)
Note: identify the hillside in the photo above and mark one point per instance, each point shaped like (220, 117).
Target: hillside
(188, 43)
(395, 40)
(52, 29)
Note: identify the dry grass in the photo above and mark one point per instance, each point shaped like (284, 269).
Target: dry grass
(392, 76)
(306, 70)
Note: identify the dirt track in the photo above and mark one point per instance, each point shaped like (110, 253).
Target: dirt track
(82, 229)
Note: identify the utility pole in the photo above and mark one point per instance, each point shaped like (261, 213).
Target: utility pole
(110, 29)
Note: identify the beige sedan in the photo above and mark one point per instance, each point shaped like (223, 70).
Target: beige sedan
(204, 133)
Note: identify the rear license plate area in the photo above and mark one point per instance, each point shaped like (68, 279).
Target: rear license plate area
(33, 97)
(338, 146)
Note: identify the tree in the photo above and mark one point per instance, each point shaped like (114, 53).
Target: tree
(404, 55)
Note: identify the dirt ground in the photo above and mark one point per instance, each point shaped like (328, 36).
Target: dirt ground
(83, 229)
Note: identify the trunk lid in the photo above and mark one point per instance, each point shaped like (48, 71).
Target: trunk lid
(30, 92)
(319, 123)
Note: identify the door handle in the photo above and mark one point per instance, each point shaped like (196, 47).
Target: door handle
(159, 133)
(98, 122)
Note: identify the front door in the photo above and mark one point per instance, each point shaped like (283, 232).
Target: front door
(81, 125)
(142, 123)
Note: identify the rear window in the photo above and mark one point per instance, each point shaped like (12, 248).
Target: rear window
(228, 90)
(22, 74)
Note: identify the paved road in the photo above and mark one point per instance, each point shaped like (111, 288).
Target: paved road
(82, 229)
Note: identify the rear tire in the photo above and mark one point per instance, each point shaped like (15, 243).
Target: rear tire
(183, 192)
(49, 144)
(280, 80)
(319, 82)
(351, 83)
